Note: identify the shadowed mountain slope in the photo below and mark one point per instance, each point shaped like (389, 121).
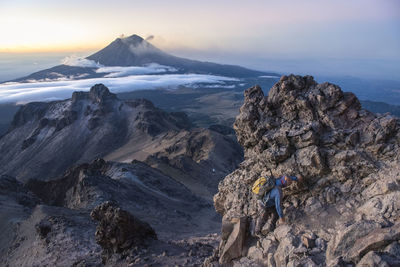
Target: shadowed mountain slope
(45, 139)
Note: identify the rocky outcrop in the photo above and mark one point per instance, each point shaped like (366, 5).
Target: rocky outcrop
(348, 157)
(118, 230)
(233, 236)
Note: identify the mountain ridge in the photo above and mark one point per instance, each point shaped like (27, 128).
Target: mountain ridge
(97, 124)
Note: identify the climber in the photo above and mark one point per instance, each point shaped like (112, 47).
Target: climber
(274, 198)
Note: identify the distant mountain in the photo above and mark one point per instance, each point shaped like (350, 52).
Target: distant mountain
(135, 51)
(7, 112)
(380, 107)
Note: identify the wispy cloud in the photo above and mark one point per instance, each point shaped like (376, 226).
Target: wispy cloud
(46, 91)
(268, 76)
(80, 62)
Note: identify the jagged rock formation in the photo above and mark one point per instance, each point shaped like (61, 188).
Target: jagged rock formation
(349, 159)
(77, 130)
(118, 230)
(98, 124)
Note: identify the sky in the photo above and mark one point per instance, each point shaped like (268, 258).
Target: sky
(330, 37)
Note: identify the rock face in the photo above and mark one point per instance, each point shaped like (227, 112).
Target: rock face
(118, 230)
(375, 240)
(348, 157)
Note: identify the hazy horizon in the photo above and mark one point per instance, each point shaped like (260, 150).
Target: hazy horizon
(358, 38)
(16, 65)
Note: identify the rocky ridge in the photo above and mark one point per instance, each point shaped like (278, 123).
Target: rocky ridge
(89, 125)
(345, 212)
(97, 124)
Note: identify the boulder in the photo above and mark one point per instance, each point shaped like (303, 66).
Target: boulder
(372, 259)
(393, 249)
(345, 237)
(118, 230)
(282, 231)
(233, 247)
(286, 247)
(376, 240)
(255, 253)
(308, 240)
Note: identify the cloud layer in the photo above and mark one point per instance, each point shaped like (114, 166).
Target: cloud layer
(48, 91)
(126, 71)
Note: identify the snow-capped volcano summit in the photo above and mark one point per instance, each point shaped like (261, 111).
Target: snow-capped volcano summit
(130, 51)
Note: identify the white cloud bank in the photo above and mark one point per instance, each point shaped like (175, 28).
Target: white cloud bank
(47, 91)
(116, 71)
(268, 76)
(135, 70)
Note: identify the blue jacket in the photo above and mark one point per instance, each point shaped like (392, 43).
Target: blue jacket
(274, 197)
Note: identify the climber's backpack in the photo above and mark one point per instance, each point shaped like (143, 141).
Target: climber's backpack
(263, 185)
